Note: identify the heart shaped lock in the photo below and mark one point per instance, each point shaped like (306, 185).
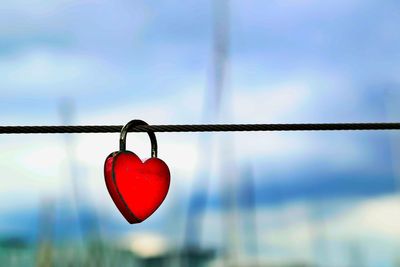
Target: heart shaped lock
(137, 188)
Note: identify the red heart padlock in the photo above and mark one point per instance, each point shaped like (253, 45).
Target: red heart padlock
(137, 188)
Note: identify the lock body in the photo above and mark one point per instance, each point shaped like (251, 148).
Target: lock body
(137, 188)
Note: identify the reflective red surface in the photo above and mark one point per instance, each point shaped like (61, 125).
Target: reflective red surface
(137, 188)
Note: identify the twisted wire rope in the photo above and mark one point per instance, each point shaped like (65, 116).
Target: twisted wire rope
(200, 128)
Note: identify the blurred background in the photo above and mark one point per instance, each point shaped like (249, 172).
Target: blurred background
(236, 199)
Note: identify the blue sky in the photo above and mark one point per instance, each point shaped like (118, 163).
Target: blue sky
(289, 61)
(145, 52)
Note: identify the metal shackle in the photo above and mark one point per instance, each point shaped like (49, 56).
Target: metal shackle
(130, 125)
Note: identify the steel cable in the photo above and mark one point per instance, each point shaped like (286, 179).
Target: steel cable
(200, 128)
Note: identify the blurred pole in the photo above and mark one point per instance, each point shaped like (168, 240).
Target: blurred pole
(228, 172)
(211, 112)
(66, 107)
(45, 253)
(356, 258)
(317, 230)
(249, 204)
(87, 222)
(220, 58)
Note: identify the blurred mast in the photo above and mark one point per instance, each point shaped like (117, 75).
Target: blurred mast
(46, 227)
(88, 222)
(228, 171)
(220, 57)
(248, 203)
(217, 108)
(317, 230)
(211, 112)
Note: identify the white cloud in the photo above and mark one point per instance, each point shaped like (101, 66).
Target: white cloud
(50, 73)
(272, 103)
(293, 232)
(296, 102)
(374, 218)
